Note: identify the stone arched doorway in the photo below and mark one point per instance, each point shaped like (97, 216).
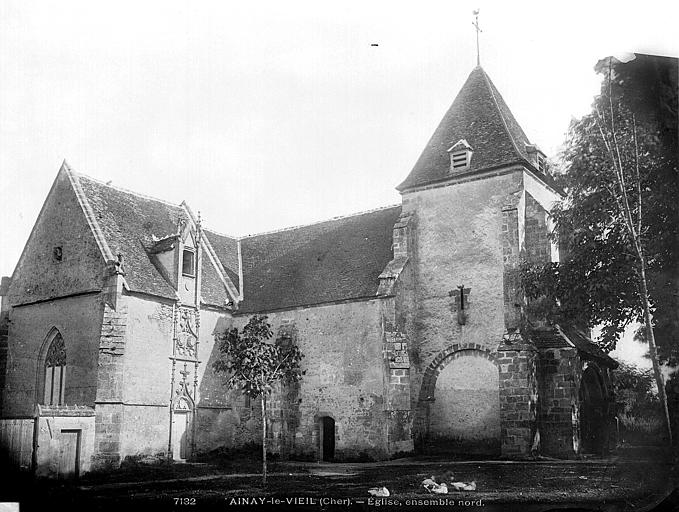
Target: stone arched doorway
(592, 398)
(461, 395)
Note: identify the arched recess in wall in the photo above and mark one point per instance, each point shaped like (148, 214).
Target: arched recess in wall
(51, 366)
(461, 392)
(593, 418)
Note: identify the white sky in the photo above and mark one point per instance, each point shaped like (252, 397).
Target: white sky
(270, 114)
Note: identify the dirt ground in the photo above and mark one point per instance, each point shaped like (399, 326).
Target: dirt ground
(627, 481)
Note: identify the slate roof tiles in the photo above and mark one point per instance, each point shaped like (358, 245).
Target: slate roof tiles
(327, 261)
(132, 224)
(480, 116)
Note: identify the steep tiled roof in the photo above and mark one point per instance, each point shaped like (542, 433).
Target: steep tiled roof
(560, 338)
(132, 224)
(328, 261)
(548, 339)
(480, 116)
(137, 227)
(226, 248)
(333, 260)
(584, 344)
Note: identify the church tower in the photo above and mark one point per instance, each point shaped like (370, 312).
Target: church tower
(475, 202)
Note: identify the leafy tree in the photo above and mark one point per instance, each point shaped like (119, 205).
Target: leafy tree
(634, 387)
(618, 224)
(255, 365)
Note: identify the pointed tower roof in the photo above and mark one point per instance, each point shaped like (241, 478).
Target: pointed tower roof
(481, 117)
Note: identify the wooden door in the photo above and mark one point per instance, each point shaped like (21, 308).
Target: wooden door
(69, 454)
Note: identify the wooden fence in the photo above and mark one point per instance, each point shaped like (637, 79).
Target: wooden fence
(16, 442)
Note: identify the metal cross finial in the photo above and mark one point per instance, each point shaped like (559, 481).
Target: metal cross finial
(475, 12)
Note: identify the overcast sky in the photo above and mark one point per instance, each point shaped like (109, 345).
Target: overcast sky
(271, 114)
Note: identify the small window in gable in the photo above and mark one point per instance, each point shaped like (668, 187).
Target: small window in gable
(460, 156)
(189, 263)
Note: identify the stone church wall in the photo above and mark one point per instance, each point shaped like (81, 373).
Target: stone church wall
(78, 319)
(457, 241)
(224, 417)
(144, 422)
(345, 380)
(560, 373)
(146, 377)
(61, 256)
(537, 244)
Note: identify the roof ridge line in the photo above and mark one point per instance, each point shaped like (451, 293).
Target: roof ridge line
(91, 219)
(339, 217)
(499, 110)
(125, 190)
(220, 233)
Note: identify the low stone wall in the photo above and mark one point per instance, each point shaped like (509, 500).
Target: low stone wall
(65, 441)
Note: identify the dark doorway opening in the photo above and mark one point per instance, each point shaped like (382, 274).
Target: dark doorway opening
(592, 412)
(327, 438)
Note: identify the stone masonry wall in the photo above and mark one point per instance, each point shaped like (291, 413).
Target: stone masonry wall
(78, 319)
(457, 240)
(146, 374)
(537, 244)
(225, 418)
(459, 403)
(511, 285)
(518, 397)
(560, 370)
(52, 423)
(109, 409)
(397, 367)
(133, 404)
(345, 379)
(39, 274)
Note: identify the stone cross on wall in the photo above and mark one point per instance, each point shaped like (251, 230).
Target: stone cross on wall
(460, 303)
(185, 373)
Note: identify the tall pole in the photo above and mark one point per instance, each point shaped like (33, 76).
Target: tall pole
(478, 29)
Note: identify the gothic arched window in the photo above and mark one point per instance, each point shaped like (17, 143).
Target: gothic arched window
(55, 372)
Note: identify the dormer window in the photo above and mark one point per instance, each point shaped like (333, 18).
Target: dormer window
(537, 157)
(460, 156)
(189, 263)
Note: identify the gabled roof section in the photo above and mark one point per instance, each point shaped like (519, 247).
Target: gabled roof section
(226, 250)
(132, 224)
(560, 337)
(460, 145)
(139, 227)
(481, 117)
(585, 345)
(324, 262)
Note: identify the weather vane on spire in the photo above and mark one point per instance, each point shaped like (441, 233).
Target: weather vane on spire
(475, 12)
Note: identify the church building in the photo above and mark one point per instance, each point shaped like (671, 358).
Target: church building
(410, 317)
